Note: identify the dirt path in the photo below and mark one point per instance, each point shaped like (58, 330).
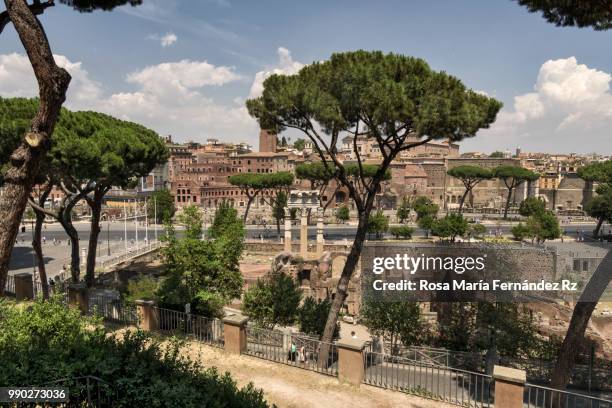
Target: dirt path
(290, 387)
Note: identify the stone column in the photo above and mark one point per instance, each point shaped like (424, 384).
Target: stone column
(234, 333)
(77, 296)
(303, 233)
(320, 239)
(24, 286)
(287, 230)
(509, 387)
(148, 319)
(350, 361)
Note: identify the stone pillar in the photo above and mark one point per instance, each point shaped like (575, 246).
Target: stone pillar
(509, 387)
(148, 319)
(287, 230)
(320, 239)
(24, 286)
(303, 233)
(350, 361)
(234, 333)
(77, 296)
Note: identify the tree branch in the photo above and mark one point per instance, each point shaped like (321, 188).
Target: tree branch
(37, 8)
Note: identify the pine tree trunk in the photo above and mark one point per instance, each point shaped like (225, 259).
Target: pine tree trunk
(96, 210)
(342, 288)
(507, 203)
(75, 257)
(40, 260)
(598, 227)
(463, 200)
(583, 310)
(25, 160)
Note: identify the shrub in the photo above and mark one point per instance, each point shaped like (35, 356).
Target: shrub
(403, 231)
(312, 316)
(520, 231)
(144, 288)
(273, 300)
(342, 214)
(49, 341)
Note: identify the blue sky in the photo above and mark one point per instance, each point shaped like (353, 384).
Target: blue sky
(554, 82)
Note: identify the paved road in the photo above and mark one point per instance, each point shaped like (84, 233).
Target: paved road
(57, 253)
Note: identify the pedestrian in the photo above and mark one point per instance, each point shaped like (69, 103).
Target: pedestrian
(292, 351)
(302, 354)
(51, 285)
(44, 240)
(353, 335)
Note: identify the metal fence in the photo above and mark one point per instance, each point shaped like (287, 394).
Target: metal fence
(291, 349)
(206, 330)
(10, 285)
(460, 387)
(113, 309)
(537, 396)
(151, 246)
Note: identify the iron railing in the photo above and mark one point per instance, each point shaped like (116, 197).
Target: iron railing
(151, 246)
(537, 396)
(291, 349)
(10, 285)
(203, 329)
(455, 386)
(113, 309)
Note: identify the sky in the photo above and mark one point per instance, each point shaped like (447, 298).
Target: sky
(185, 67)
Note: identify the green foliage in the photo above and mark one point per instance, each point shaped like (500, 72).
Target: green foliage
(386, 88)
(496, 155)
(87, 6)
(394, 321)
(600, 206)
(543, 226)
(278, 206)
(532, 206)
(451, 226)
(161, 203)
(403, 210)
(87, 146)
(225, 217)
(458, 326)
(540, 226)
(316, 173)
(343, 214)
(514, 175)
(191, 219)
(520, 231)
(378, 223)
(299, 144)
(312, 315)
(586, 13)
(48, 341)
(476, 231)
(426, 212)
(205, 273)
(402, 231)
(143, 288)
(273, 300)
(509, 327)
(600, 172)
(470, 173)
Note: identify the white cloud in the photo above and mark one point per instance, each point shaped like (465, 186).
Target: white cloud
(168, 39)
(569, 110)
(286, 66)
(17, 79)
(169, 97)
